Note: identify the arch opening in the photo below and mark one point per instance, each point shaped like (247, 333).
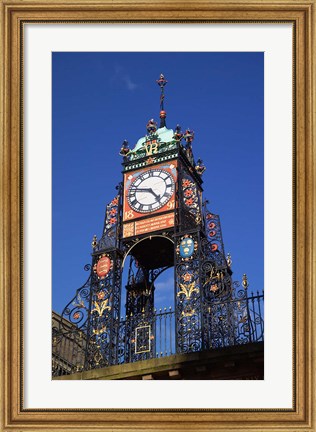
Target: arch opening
(153, 252)
(150, 258)
(148, 279)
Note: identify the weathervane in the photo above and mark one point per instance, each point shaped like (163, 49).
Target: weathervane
(162, 82)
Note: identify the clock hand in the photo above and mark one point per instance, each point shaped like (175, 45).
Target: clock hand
(146, 190)
(136, 189)
(155, 195)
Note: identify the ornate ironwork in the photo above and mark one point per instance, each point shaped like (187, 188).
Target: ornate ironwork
(213, 231)
(102, 327)
(139, 332)
(210, 310)
(235, 321)
(69, 333)
(188, 294)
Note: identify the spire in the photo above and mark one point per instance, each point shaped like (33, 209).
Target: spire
(162, 82)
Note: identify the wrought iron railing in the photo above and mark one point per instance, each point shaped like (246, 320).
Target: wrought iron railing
(227, 323)
(236, 321)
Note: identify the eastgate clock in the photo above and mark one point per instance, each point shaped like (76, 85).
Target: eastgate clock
(150, 191)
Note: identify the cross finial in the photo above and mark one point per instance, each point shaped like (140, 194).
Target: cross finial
(162, 82)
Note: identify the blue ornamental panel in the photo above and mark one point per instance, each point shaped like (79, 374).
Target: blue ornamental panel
(214, 232)
(111, 215)
(109, 236)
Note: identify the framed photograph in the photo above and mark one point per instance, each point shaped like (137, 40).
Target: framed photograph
(91, 144)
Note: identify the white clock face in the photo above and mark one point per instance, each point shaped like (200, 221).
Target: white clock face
(150, 191)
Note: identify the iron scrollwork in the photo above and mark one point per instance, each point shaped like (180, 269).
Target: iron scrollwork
(188, 294)
(210, 310)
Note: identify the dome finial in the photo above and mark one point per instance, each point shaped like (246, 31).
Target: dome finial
(162, 82)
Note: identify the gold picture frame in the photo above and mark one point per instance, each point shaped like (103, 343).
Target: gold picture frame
(14, 417)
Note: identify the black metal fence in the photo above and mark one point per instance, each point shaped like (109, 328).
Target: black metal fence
(227, 323)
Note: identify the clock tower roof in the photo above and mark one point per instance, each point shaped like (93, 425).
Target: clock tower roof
(163, 135)
(149, 148)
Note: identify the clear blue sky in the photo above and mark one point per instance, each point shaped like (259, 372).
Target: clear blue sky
(100, 99)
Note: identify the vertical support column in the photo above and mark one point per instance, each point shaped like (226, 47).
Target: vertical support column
(116, 307)
(218, 307)
(188, 293)
(105, 300)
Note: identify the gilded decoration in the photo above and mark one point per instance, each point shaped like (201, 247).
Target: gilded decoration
(187, 290)
(101, 307)
(160, 199)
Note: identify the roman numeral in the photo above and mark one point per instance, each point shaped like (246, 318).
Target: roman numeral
(163, 175)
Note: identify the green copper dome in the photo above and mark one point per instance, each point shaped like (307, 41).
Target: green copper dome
(164, 136)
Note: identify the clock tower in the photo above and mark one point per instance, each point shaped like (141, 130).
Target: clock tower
(158, 220)
(163, 226)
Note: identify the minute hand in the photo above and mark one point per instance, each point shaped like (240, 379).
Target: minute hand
(147, 190)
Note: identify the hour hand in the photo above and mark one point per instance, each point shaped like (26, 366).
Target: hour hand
(154, 193)
(146, 190)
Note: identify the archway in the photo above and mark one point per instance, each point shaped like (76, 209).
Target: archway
(153, 252)
(148, 285)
